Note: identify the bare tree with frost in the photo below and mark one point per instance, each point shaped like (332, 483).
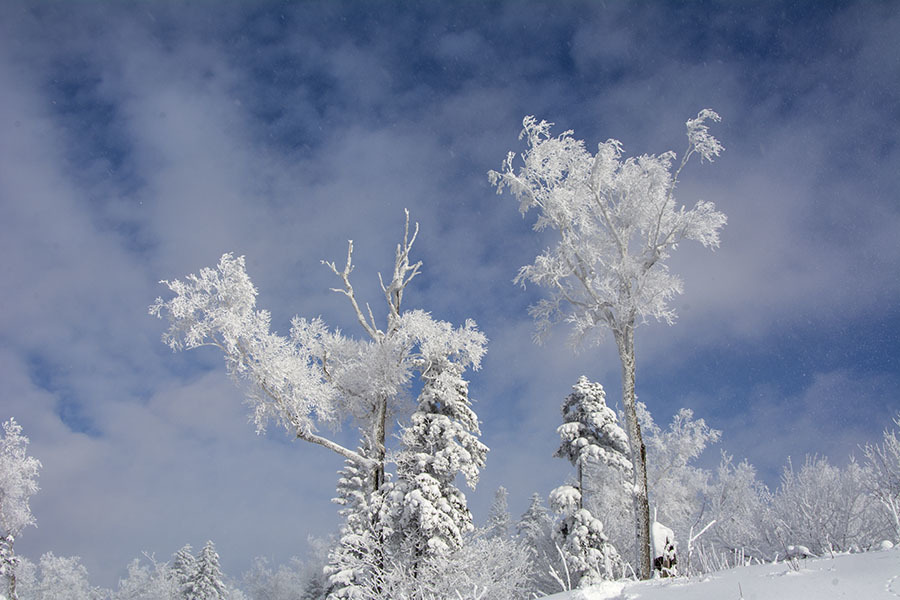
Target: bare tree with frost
(677, 486)
(824, 508)
(320, 377)
(618, 222)
(18, 482)
(883, 475)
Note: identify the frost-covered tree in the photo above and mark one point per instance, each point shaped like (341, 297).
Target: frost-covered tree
(147, 582)
(618, 223)
(590, 433)
(317, 376)
(424, 513)
(737, 505)
(18, 482)
(297, 580)
(534, 531)
(207, 583)
(587, 555)
(499, 519)
(59, 578)
(183, 571)
(677, 487)
(882, 477)
(359, 541)
(824, 508)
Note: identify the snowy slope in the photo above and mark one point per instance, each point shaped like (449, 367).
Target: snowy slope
(868, 576)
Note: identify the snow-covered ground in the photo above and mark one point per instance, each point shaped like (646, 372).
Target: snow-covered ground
(867, 576)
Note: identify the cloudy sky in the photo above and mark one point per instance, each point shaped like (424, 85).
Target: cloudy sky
(141, 141)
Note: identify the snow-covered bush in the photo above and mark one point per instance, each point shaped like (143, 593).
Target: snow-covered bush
(677, 487)
(57, 578)
(481, 568)
(737, 506)
(882, 476)
(297, 580)
(824, 508)
(147, 582)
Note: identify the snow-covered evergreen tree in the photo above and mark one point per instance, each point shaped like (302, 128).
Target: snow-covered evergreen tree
(587, 554)
(534, 531)
(499, 519)
(18, 482)
(358, 541)
(208, 581)
(590, 433)
(618, 223)
(424, 514)
(183, 571)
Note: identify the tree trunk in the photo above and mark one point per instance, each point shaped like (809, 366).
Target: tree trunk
(640, 497)
(580, 470)
(380, 448)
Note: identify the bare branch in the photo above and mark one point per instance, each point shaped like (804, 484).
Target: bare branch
(404, 272)
(347, 290)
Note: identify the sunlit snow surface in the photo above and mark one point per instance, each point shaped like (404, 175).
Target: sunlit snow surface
(867, 576)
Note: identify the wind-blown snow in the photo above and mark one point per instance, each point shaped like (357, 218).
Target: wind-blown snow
(867, 576)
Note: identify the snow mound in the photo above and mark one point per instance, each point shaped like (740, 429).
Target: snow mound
(870, 575)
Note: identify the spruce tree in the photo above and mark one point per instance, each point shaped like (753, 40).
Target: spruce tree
(590, 433)
(498, 524)
(424, 514)
(184, 570)
(349, 560)
(208, 583)
(535, 532)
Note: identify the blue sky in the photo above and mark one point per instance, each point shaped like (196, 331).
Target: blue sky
(140, 142)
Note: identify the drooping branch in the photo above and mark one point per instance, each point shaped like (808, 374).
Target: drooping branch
(368, 463)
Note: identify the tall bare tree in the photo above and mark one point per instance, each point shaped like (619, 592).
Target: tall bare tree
(618, 222)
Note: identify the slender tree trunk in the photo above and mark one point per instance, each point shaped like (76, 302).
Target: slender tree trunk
(9, 566)
(640, 497)
(380, 448)
(580, 470)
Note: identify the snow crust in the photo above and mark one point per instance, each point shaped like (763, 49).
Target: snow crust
(869, 576)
